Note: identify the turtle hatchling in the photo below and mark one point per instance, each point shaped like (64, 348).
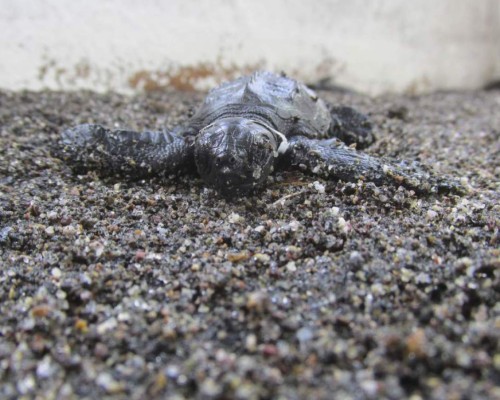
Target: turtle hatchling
(245, 130)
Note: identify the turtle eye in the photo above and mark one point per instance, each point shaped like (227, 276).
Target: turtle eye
(232, 160)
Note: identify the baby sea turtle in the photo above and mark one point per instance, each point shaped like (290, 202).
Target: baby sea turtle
(244, 130)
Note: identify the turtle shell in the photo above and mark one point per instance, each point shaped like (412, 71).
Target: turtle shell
(290, 106)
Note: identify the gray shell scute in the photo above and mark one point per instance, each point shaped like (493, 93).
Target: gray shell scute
(296, 107)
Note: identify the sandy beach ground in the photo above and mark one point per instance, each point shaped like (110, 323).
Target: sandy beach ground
(310, 289)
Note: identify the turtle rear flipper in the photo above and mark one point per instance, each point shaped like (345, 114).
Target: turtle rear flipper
(125, 153)
(351, 126)
(330, 158)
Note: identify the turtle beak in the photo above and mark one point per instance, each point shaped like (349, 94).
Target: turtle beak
(230, 183)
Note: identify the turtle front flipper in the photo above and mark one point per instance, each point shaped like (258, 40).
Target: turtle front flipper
(126, 153)
(351, 126)
(330, 158)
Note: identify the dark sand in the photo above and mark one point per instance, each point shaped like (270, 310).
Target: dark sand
(308, 290)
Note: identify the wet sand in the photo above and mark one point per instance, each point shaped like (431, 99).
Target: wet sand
(310, 289)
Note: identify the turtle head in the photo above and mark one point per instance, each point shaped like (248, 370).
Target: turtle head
(235, 155)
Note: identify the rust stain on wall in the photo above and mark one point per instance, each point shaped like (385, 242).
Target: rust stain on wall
(64, 76)
(187, 78)
(83, 69)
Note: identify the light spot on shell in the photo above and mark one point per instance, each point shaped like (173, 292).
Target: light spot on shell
(257, 172)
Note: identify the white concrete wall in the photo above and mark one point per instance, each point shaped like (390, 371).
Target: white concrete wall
(497, 36)
(369, 45)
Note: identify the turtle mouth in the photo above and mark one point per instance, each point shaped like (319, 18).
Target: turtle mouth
(235, 177)
(231, 183)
